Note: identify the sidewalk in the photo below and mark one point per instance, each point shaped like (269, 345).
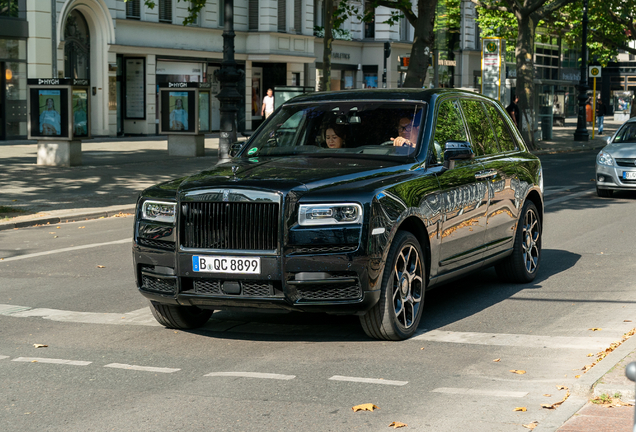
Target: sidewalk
(115, 170)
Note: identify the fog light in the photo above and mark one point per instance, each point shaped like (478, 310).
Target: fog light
(601, 178)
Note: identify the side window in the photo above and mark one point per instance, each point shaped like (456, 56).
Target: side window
(482, 137)
(506, 142)
(449, 127)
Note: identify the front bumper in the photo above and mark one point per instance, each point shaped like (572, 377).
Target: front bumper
(330, 280)
(612, 177)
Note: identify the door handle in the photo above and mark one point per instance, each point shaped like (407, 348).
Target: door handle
(485, 174)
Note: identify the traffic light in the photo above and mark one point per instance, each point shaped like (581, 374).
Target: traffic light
(387, 49)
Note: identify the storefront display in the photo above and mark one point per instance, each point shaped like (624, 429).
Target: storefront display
(184, 108)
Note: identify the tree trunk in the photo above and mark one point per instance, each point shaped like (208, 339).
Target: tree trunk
(325, 82)
(524, 53)
(423, 41)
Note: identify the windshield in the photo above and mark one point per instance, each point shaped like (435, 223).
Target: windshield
(626, 134)
(341, 128)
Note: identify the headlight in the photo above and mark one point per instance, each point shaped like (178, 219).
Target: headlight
(604, 158)
(329, 214)
(158, 211)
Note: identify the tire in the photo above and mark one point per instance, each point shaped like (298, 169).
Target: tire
(523, 264)
(399, 310)
(604, 193)
(180, 317)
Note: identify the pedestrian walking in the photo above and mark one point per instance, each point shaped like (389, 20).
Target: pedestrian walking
(268, 103)
(513, 110)
(601, 110)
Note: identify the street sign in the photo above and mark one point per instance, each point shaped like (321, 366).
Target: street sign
(493, 67)
(595, 71)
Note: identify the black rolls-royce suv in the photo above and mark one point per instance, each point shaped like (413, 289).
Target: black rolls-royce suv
(352, 202)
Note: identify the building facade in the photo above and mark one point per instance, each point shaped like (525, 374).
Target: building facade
(126, 50)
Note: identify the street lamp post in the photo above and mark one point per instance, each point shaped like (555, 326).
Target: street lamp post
(229, 76)
(580, 134)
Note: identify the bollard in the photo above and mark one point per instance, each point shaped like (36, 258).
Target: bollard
(630, 371)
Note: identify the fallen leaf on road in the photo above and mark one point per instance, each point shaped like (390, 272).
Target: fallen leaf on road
(532, 425)
(13, 200)
(100, 266)
(40, 345)
(548, 406)
(497, 360)
(34, 361)
(57, 227)
(52, 232)
(627, 320)
(594, 329)
(396, 425)
(365, 407)
(523, 409)
(81, 227)
(577, 376)
(561, 387)
(590, 355)
(587, 368)
(54, 236)
(547, 395)
(518, 372)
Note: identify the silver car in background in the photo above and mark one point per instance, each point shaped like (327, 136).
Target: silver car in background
(616, 162)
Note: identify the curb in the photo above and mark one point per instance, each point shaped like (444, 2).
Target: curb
(582, 390)
(567, 150)
(69, 217)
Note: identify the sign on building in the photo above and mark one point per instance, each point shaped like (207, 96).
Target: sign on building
(493, 67)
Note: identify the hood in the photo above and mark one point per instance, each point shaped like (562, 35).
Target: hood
(285, 174)
(621, 150)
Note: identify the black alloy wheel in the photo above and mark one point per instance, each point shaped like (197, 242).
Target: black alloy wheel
(397, 314)
(523, 264)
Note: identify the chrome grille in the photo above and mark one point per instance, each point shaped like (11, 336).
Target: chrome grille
(626, 162)
(230, 225)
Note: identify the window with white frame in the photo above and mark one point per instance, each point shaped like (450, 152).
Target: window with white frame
(133, 9)
(165, 11)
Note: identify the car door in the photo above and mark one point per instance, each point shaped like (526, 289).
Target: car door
(463, 196)
(502, 212)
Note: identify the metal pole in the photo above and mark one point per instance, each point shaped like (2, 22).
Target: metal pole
(581, 126)
(54, 37)
(229, 76)
(630, 371)
(593, 107)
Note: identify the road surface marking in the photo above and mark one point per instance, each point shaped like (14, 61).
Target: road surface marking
(251, 375)
(566, 198)
(68, 249)
(520, 340)
(138, 317)
(3, 357)
(141, 368)
(368, 380)
(52, 360)
(467, 391)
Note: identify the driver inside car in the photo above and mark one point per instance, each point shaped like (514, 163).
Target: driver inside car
(408, 130)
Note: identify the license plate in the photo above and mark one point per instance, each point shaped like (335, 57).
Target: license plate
(629, 175)
(226, 264)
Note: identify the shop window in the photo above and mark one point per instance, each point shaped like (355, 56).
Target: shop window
(133, 9)
(253, 15)
(282, 16)
(165, 11)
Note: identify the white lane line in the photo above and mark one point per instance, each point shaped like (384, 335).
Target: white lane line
(568, 197)
(467, 391)
(3, 357)
(251, 375)
(138, 317)
(52, 360)
(68, 249)
(368, 380)
(141, 368)
(520, 340)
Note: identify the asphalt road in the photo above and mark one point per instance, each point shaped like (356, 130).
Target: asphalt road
(108, 366)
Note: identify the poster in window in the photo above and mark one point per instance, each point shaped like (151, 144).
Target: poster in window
(178, 105)
(204, 111)
(135, 94)
(50, 121)
(79, 99)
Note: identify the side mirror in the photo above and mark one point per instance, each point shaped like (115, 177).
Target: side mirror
(456, 150)
(236, 147)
